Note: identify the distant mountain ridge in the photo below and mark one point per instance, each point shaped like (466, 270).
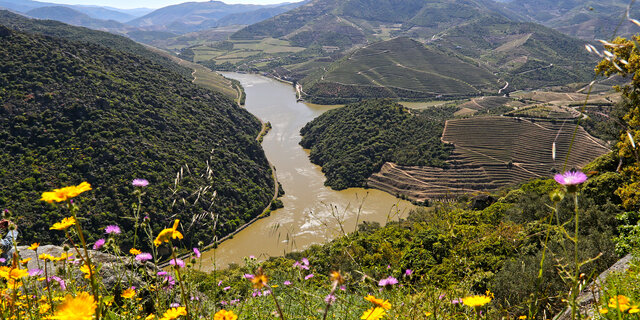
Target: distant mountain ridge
(96, 12)
(73, 17)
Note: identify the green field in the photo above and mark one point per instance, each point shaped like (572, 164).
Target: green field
(241, 49)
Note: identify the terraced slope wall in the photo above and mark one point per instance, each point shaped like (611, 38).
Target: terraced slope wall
(491, 152)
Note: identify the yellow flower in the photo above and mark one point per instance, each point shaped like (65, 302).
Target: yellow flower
(336, 276)
(63, 194)
(604, 311)
(135, 251)
(620, 302)
(44, 308)
(476, 301)
(168, 234)
(259, 279)
(225, 315)
(128, 293)
(34, 246)
(82, 307)
(385, 304)
(428, 314)
(149, 317)
(63, 256)
(522, 317)
(634, 309)
(373, 314)
(173, 313)
(44, 256)
(64, 224)
(25, 261)
(16, 274)
(85, 270)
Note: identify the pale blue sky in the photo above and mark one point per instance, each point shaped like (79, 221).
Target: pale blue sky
(130, 4)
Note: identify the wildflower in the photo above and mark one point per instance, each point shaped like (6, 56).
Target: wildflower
(225, 315)
(379, 303)
(522, 317)
(248, 276)
(227, 288)
(309, 276)
(168, 234)
(46, 257)
(150, 317)
(112, 229)
(44, 308)
(287, 282)
(34, 246)
(604, 311)
(620, 302)
(36, 272)
(85, 269)
(634, 309)
(128, 293)
(388, 281)
(571, 179)
(197, 252)
(135, 251)
(302, 264)
(177, 262)
(373, 314)
(82, 307)
(144, 256)
(336, 277)
(14, 274)
(476, 301)
(60, 282)
(25, 261)
(64, 224)
(99, 243)
(65, 193)
(259, 280)
(428, 314)
(330, 298)
(140, 182)
(408, 272)
(174, 313)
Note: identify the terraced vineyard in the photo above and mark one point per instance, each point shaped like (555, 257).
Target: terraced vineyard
(491, 152)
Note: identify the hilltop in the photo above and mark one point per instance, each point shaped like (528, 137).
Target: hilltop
(399, 68)
(77, 111)
(73, 17)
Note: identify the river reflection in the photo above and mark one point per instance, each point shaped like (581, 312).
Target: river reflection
(312, 213)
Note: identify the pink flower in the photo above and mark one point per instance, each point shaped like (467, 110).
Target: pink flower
(286, 283)
(177, 262)
(144, 257)
(408, 272)
(112, 229)
(388, 281)
(140, 182)
(330, 299)
(219, 283)
(99, 243)
(197, 252)
(309, 276)
(570, 178)
(248, 276)
(302, 264)
(226, 288)
(36, 272)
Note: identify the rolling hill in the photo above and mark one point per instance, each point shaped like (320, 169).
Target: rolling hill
(78, 111)
(584, 19)
(96, 12)
(73, 17)
(399, 68)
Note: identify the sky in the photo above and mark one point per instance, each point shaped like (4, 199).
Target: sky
(130, 4)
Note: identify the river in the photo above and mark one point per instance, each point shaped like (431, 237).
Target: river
(312, 213)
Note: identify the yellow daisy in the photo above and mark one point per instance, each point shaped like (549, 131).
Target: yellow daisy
(64, 224)
(373, 314)
(82, 307)
(63, 194)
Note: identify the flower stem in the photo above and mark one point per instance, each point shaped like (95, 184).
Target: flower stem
(273, 295)
(574, 294)
(177, 268)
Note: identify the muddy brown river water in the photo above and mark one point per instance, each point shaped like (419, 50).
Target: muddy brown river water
(312, 213)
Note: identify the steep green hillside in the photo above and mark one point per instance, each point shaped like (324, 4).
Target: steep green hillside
(73, 112)
(398, 68)
(584, 19)
(527, 55)
(79, 34)
(353, 142)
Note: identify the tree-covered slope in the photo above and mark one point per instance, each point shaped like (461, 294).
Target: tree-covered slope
(353, 142)
(399, 68)
(80, 34)
(74, 17)
(73, 112)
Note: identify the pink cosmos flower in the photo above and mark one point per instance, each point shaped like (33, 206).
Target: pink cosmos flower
(197, 252)
(177, 262)
(140, 182)
(309, 276)
(570, 178)
(99, 243)
(388, 281)
(112, 229)
(408, 272)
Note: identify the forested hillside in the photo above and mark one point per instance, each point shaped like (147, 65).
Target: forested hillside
(353, 142)
(77, 111)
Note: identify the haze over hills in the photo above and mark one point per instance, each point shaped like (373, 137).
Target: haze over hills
(96, 12)
(73, 17)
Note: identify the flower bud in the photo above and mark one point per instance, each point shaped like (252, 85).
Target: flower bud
(556, 195)
(66, 248)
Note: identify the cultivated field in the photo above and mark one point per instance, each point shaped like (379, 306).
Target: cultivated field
(491, 152)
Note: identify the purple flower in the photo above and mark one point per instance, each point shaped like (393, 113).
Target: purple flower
(302, 264)
(343, 288)
(330, 299)
(140, 182)
(112, 229)
(388, 281)
(99, 243)
(234, 301)
(36, 272)
(177, 262)
(441, 296)
(309, 276)
(570, 178)
(174, 305)
(248, 276)
(226, 288)
(144, 257)
(456, 301)
(408, 272)
(162, 273)
(63, 286)
(3, 260)
(286, 283)
(219, 283)
(224, 303)
(197, 252)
